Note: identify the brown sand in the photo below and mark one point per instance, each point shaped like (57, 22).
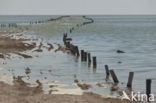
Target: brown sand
(11, 45)
(8, 45)
(21, 93)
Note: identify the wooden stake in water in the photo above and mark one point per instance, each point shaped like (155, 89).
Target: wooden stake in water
(89, 60)
(64, 38)
(94, 62)
(148, 87)
(68, 45)
(115, 79)
(82, 55)
(85, 56)
(77, 51)
(107, 72)
(130, 79)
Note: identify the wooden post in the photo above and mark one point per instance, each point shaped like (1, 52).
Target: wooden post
(148, 88)
(115, 79)
(107, 69)
(107, 72)
(68, 45)
(72, 49)
(82, 55)
(85, 56)
(70, 31)
(77, 51)
(94, 62)
(130, 79)
(64, 38)
(89, 60)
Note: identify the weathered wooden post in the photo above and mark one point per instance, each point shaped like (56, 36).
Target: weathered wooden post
(64, 38)
(70, 31)
(72, 49)
(66, 34)
(68, 45)
(89, 60)
(107, 72)
(148, 88)
(82, 55)
(85, 56)
(94, 62)
(130, 79)
(115, 79)
(77, 51)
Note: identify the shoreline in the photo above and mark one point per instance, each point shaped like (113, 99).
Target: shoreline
(21, 93)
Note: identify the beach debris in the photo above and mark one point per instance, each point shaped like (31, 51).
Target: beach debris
(18, 81)
(114, 88)
(75, 76)
(49, 70)
(2, 56)
(3, 63)
(38, 50)
(41, 72)
(50, 46)
(39, 47)
(101, 85)
(24, 55)
(76, 81)
(84, 86)
(120, 51)
(52, 86)
(119, 62)
(27, 71)
(39, 83)
(60, 48)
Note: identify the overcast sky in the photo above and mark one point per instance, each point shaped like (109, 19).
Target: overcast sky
(61, 7)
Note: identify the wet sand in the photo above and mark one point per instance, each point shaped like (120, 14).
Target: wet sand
(9, 44)
(21, 93)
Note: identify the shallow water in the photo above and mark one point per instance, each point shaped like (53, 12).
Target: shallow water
(133, 34)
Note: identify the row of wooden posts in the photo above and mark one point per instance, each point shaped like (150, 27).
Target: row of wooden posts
(130, 79)
(84, 56)
(8, 25)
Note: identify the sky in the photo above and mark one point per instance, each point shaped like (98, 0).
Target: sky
(77, 7)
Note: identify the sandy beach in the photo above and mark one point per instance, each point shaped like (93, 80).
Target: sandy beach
(20, 93)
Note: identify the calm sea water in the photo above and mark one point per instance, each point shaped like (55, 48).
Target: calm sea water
(136, 35)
